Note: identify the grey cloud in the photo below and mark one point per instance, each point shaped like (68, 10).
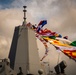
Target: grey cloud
(20, 3)
(0, 6)
(4, 47)
(61, 18)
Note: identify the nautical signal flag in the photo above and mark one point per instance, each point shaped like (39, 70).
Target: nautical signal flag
(69, 51)
(73, 43)
(41, 24)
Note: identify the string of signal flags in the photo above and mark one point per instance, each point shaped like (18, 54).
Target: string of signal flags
(60, 43)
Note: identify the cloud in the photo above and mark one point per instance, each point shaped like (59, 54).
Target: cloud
(4, 47)
(0, 6)
(61, 18)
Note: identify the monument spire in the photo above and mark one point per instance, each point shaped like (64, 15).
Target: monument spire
(24, 22)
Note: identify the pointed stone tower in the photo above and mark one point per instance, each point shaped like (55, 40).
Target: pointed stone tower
(23, 54)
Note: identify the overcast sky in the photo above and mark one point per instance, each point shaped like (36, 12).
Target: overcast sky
(61, 17)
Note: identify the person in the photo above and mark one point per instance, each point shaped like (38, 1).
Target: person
(20, 73)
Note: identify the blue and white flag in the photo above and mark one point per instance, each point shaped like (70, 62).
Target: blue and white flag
(41, 24)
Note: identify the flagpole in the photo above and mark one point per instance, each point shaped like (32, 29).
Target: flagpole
(58, 58)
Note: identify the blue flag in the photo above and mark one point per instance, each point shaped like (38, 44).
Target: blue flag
(41, 24)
